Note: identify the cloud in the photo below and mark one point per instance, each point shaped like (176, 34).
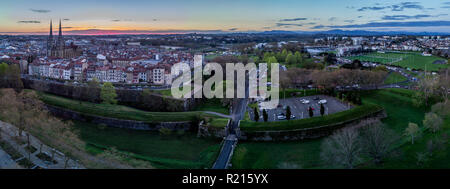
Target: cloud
(124, 20)
(292, 19)
(318, 27)
(287, 25)
(66, 19)
(373, 8)
(137, 32)
(406, 17)
(407, 5)
(332, 19)
(40, 10)
(389, 24)
(446, 7)
(233, 29)
(29, 22)
(395, 7)
(349, 21)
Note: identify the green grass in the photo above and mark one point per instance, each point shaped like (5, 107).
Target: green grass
(219, 122)
(398, 105)
(118, 111)
(395, 77)
(271, 155)
(411, 60)
(213, 105)
(173, 151)
(344, 116)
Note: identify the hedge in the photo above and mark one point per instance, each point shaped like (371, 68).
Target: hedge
(345, 116)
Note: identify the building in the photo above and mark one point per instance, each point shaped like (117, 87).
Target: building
(57, 48)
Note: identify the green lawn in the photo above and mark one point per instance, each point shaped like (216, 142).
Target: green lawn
(219, 122)
(400, 110)
(413, 60)
(118, 111)
(272, 155)
(213, 105)
(395, 77)
(175, 151)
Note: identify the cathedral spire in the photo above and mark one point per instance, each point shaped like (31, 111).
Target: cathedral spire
(60, 31)
(51, 29)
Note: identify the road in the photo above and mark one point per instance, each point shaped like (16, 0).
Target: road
(238, 112)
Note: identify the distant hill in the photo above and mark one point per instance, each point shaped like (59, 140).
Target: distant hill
(350, 32)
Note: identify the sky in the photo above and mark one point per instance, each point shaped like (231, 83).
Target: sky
(212, 16)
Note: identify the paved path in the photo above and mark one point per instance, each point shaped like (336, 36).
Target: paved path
(230, 142)
(218, 114)
(6, 162)
(9, 135)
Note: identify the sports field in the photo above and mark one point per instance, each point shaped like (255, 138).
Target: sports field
(413, 60)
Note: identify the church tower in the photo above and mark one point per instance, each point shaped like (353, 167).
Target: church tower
(60, 45)
(50, 40)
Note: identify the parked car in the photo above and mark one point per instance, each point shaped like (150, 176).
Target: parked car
(281, 117)
(322, 101)
(304, 101)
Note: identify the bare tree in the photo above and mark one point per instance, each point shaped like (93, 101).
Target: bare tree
(427, 86)
(343, 148)
(377, 141)
(433, 122)
(412, 130)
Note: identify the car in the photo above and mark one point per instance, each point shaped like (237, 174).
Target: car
(292, 116)
(281, 117)
(316, 98)
(304, 101)
(322, 101)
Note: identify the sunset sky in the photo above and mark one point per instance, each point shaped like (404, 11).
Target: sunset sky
(183, 16)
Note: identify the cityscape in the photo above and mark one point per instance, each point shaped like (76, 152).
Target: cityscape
(90, 85)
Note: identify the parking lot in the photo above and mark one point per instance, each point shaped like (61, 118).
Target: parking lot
(300, 109)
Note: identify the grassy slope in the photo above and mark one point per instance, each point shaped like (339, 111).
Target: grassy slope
(172, 151)
(394, 77)
(117, 111)
(400, 113)
(213, 105)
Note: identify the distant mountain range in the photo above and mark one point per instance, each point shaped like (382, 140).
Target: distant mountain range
(350, 32)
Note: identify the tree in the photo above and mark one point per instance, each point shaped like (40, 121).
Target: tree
(311, 112)
(108, 94)
(290, 59)
(377, 141)
(256, 118)
(298, 57)
(322, 109)
(412, 130)
(343, 148)
(93, 90)
(427, 87)
(288, 113)
(265, 115)
(269, 64)
(433, 122)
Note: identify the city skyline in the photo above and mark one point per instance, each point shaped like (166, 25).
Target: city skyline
(174, 16)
